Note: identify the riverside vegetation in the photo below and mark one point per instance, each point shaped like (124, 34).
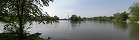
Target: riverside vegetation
(16, 13)
(131, 16)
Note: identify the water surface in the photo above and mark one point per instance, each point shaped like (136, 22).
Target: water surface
(87, 30)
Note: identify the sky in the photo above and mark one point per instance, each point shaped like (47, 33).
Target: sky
(87, 8)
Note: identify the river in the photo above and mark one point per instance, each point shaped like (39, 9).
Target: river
(86, 30)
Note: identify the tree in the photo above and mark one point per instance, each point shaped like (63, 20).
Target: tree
(84, 18)
(134, 12)
(124, 16)
(121, 16)
(75, 18)
(56, 18)
(20, 8)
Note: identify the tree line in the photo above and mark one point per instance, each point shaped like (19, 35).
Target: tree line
(131, 16)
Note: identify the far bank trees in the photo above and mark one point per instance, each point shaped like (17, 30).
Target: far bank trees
(121, 17)
(75, 18)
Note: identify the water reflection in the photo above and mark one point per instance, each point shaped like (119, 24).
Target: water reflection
(121, 26)
(75, 24)
(86, 30)
(14, 36)
(134, 31)
(103, 22)
(11, 32)
(131, 28)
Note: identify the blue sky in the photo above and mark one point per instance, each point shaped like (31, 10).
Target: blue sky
(87, 8)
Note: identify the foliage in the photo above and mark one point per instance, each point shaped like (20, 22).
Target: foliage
(121, 16)
(103, 18)
(16, 13)
(134, 12)
(56, 18)
(75, 18)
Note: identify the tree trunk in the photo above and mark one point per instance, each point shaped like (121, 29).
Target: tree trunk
(20, 34)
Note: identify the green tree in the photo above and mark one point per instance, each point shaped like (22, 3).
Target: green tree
(20, 8)
(75, 18)
(121, 16)
(134, 12)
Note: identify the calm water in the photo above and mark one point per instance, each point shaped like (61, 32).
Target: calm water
(87, 30)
